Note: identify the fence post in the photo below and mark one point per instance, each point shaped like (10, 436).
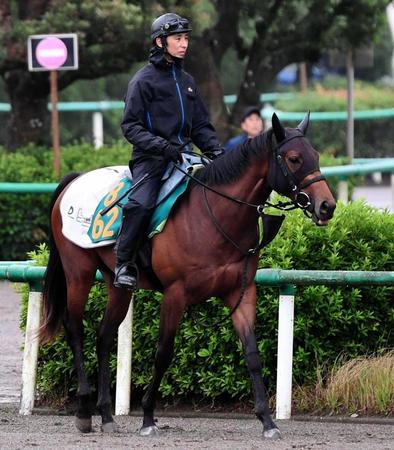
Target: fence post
(285, 352)
(343, 193)
(123, 371)
(392, 191)
(98, 129)
(30, 351)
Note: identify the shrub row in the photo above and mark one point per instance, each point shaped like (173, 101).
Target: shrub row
(209, 362)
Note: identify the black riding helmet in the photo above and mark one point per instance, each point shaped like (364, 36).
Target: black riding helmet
(168, 24)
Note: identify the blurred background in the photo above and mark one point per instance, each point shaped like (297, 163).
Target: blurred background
(295, 50)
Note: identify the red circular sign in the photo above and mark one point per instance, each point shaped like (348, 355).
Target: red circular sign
(51, 53)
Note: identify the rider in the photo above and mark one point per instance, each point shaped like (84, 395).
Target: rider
(163, 113)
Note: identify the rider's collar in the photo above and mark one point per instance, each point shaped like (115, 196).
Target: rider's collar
(158, 59)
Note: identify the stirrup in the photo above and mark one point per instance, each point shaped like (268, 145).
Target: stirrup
(126, 276)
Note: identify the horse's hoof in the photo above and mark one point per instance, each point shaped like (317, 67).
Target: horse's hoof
(83, 425)
(273, 434)
(110, 427)
(149, 431)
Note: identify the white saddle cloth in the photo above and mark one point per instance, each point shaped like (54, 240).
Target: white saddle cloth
(81, 199)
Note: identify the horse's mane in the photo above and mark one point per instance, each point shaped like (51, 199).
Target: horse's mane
(230, 166)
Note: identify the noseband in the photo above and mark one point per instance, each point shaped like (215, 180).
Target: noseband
(301, 198)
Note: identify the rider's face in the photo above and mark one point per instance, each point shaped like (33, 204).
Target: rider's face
(177, 44)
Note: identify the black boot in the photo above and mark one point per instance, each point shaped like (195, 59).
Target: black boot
(126, 276)
(131, 235)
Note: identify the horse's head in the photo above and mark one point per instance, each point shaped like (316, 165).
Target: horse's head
(294, 171)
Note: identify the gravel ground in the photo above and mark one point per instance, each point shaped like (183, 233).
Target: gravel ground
(11, 340)
(50, 431)
(193, 433)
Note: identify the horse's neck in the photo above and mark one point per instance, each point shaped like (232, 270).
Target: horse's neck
(252, 188)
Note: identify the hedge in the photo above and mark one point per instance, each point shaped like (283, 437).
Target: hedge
(209, 362)
(24, 217)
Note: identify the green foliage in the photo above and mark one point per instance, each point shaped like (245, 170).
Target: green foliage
(209, 361)
(373, 138)
(24, 218)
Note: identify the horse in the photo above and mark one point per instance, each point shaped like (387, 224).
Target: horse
(209, 247)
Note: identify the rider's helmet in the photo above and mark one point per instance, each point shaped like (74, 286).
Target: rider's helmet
(167, 24)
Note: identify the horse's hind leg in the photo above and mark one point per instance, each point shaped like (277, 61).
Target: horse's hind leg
(171, 313)
(119, 300)
(243, 321)
(77, 294)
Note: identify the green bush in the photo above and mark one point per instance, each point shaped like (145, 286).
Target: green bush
(372, 138)
(209, 361)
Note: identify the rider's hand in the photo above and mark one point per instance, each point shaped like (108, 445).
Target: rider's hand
(172, 153)
(215, 153)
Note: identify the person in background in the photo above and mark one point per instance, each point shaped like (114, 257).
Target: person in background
(251, 125)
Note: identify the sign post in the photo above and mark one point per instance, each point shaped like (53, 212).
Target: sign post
(55, 124)
(52, 53)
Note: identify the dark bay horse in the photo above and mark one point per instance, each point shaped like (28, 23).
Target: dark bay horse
(204, 251)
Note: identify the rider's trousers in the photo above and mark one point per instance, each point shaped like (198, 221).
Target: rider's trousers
(138, 210)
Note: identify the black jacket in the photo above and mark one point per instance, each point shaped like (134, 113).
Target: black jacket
(162, 106)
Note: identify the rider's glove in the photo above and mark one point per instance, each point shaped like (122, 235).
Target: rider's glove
(172, 153)
(215, 153)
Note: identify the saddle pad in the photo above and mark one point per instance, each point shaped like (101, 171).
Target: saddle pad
(90, 193)
(80, 201)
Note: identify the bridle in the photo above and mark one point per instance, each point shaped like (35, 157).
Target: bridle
(301, 198)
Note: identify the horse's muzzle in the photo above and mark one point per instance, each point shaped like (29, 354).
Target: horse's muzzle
(323, 213)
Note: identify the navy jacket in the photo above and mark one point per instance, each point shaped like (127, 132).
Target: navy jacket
(234, 142)
(162, 106)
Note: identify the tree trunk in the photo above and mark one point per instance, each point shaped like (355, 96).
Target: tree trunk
(28, 121)
(249, 93)
(201, 64)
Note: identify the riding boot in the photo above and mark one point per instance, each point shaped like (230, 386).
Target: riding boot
(126, 275)
(130, 236)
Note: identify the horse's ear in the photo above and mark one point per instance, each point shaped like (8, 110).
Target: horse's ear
(303, 126)
(279, 131)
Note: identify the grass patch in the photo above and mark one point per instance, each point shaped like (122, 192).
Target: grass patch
(363, 385)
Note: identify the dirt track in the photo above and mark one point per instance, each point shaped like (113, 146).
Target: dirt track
(49, 432)
(11, 340)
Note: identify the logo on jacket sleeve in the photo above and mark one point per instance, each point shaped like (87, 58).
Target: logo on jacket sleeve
(189, 89)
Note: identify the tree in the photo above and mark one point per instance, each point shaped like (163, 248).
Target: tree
(266, 36)
(109, 34)
(269, 35)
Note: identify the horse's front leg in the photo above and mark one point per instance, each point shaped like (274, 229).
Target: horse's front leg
(243, 321)
(171, 313)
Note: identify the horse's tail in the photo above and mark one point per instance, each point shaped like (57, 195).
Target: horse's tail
(54, 291)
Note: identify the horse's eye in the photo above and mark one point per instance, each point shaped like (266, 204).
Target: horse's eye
(294, 159)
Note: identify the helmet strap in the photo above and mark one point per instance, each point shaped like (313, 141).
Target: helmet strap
(163, 40)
